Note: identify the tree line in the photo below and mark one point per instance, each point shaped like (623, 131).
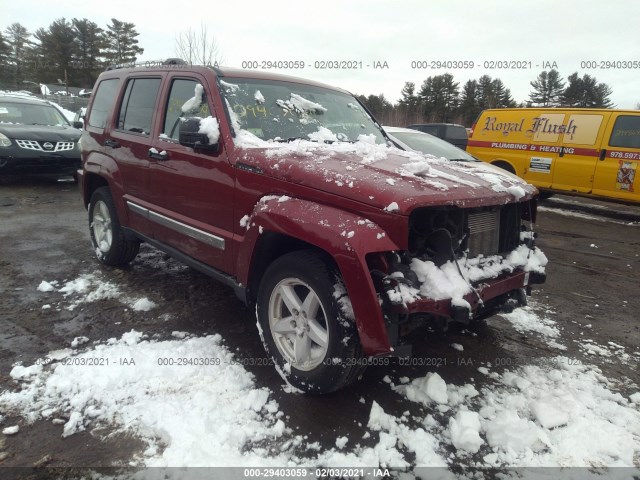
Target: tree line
(440, 99)
(68, 52)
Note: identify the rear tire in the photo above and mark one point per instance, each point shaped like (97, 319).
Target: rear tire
(313, 344)
(505, 166)
(111, 245)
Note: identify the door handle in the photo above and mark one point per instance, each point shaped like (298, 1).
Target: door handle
(112, 143)
(163, 155)
(603, 153)
(561, 152)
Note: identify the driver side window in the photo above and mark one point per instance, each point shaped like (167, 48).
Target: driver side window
(186, 99)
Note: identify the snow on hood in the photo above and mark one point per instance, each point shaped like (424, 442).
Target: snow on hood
(381, 175)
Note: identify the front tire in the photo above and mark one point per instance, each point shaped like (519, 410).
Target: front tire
(111, 245)
(315, 347)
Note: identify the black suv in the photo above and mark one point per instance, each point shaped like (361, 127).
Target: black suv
(451, 132)
(36, 138)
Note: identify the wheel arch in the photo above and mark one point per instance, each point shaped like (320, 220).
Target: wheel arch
(343, 237)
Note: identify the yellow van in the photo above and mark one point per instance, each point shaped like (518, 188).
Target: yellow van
(570, 150)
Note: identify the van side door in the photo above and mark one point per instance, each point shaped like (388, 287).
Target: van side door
(193, 191)
(575, 164)
(617, 171)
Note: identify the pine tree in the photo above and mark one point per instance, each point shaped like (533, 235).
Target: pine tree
(54, 52)
(5, 53)
(440, 97)
(89, 42)
(18, 39)
(469, 108)
(586, 92)
(501, 95)
(122, 43)
(547, 89)
(409, 104)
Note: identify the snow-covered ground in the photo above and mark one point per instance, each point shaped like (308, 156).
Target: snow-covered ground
(194, 404)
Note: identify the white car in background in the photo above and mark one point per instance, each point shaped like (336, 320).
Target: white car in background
(416, 141)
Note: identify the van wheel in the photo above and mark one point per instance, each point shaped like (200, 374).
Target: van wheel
(111, 245)
(505, 166)
(315, 347)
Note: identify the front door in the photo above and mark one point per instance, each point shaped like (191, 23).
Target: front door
(193, 192)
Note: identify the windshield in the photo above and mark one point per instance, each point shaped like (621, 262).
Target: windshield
(283, 111)
(30, 114)
(425, 143)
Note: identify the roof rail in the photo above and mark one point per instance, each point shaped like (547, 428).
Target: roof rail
(148, 63)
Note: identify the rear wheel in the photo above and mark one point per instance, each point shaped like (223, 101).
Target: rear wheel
(111, 245)
(314, 345)
(504, 166)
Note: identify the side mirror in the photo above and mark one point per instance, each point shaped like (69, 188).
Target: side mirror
(189, 136)
(78, 124)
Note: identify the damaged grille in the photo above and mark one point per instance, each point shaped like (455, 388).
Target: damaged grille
(441, 234)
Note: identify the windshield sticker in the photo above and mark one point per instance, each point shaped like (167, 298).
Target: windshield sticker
(540, 164)
(626, 175)
(3, 110)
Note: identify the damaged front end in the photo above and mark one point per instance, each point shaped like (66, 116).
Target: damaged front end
(462, 264)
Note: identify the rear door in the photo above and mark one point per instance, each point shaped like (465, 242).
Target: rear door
(575, 164)
(128, 142)
(617, 171)
(193, 192)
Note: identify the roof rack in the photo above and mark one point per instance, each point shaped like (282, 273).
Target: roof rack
(148, 63)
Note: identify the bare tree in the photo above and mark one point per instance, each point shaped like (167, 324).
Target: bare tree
(199, 47)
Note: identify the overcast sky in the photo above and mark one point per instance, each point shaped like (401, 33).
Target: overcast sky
(530, 32)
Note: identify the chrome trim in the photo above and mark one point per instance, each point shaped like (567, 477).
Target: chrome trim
(36, 145)
(138, 209)
(195, 233)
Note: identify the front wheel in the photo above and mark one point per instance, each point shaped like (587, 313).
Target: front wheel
(109, 241)
(305, 326)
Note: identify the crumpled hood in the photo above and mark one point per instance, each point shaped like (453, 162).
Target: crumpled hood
(52, 133)
(387, 178)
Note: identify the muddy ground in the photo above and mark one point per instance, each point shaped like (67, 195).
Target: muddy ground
(592, 289)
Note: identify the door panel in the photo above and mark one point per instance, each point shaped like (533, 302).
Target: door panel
(617, 173)
(128, 142)
(576, 163)
(194, 192)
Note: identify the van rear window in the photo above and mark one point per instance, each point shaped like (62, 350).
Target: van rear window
(626, 132)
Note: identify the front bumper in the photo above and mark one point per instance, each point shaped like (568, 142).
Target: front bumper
(40, 163)
(489, 297)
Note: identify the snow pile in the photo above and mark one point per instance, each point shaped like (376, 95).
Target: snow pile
(194, 102)
(526, 320)
(90, 287)
(203, 411)
(211, 128)
(143, 305)
(540, 416)
(445, 282)
(464, 429)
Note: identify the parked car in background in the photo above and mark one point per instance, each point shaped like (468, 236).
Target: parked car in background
(450, 132)
(36, 138)
(580, 151)
(417, 141)
(287, 190)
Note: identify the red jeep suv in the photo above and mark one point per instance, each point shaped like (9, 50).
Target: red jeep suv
(289, 191)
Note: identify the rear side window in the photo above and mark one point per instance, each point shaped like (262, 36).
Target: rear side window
(457, 133)
(103, 102)
(138, 102)
(626, 132)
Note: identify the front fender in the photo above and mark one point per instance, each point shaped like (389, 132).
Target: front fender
(347, 237)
